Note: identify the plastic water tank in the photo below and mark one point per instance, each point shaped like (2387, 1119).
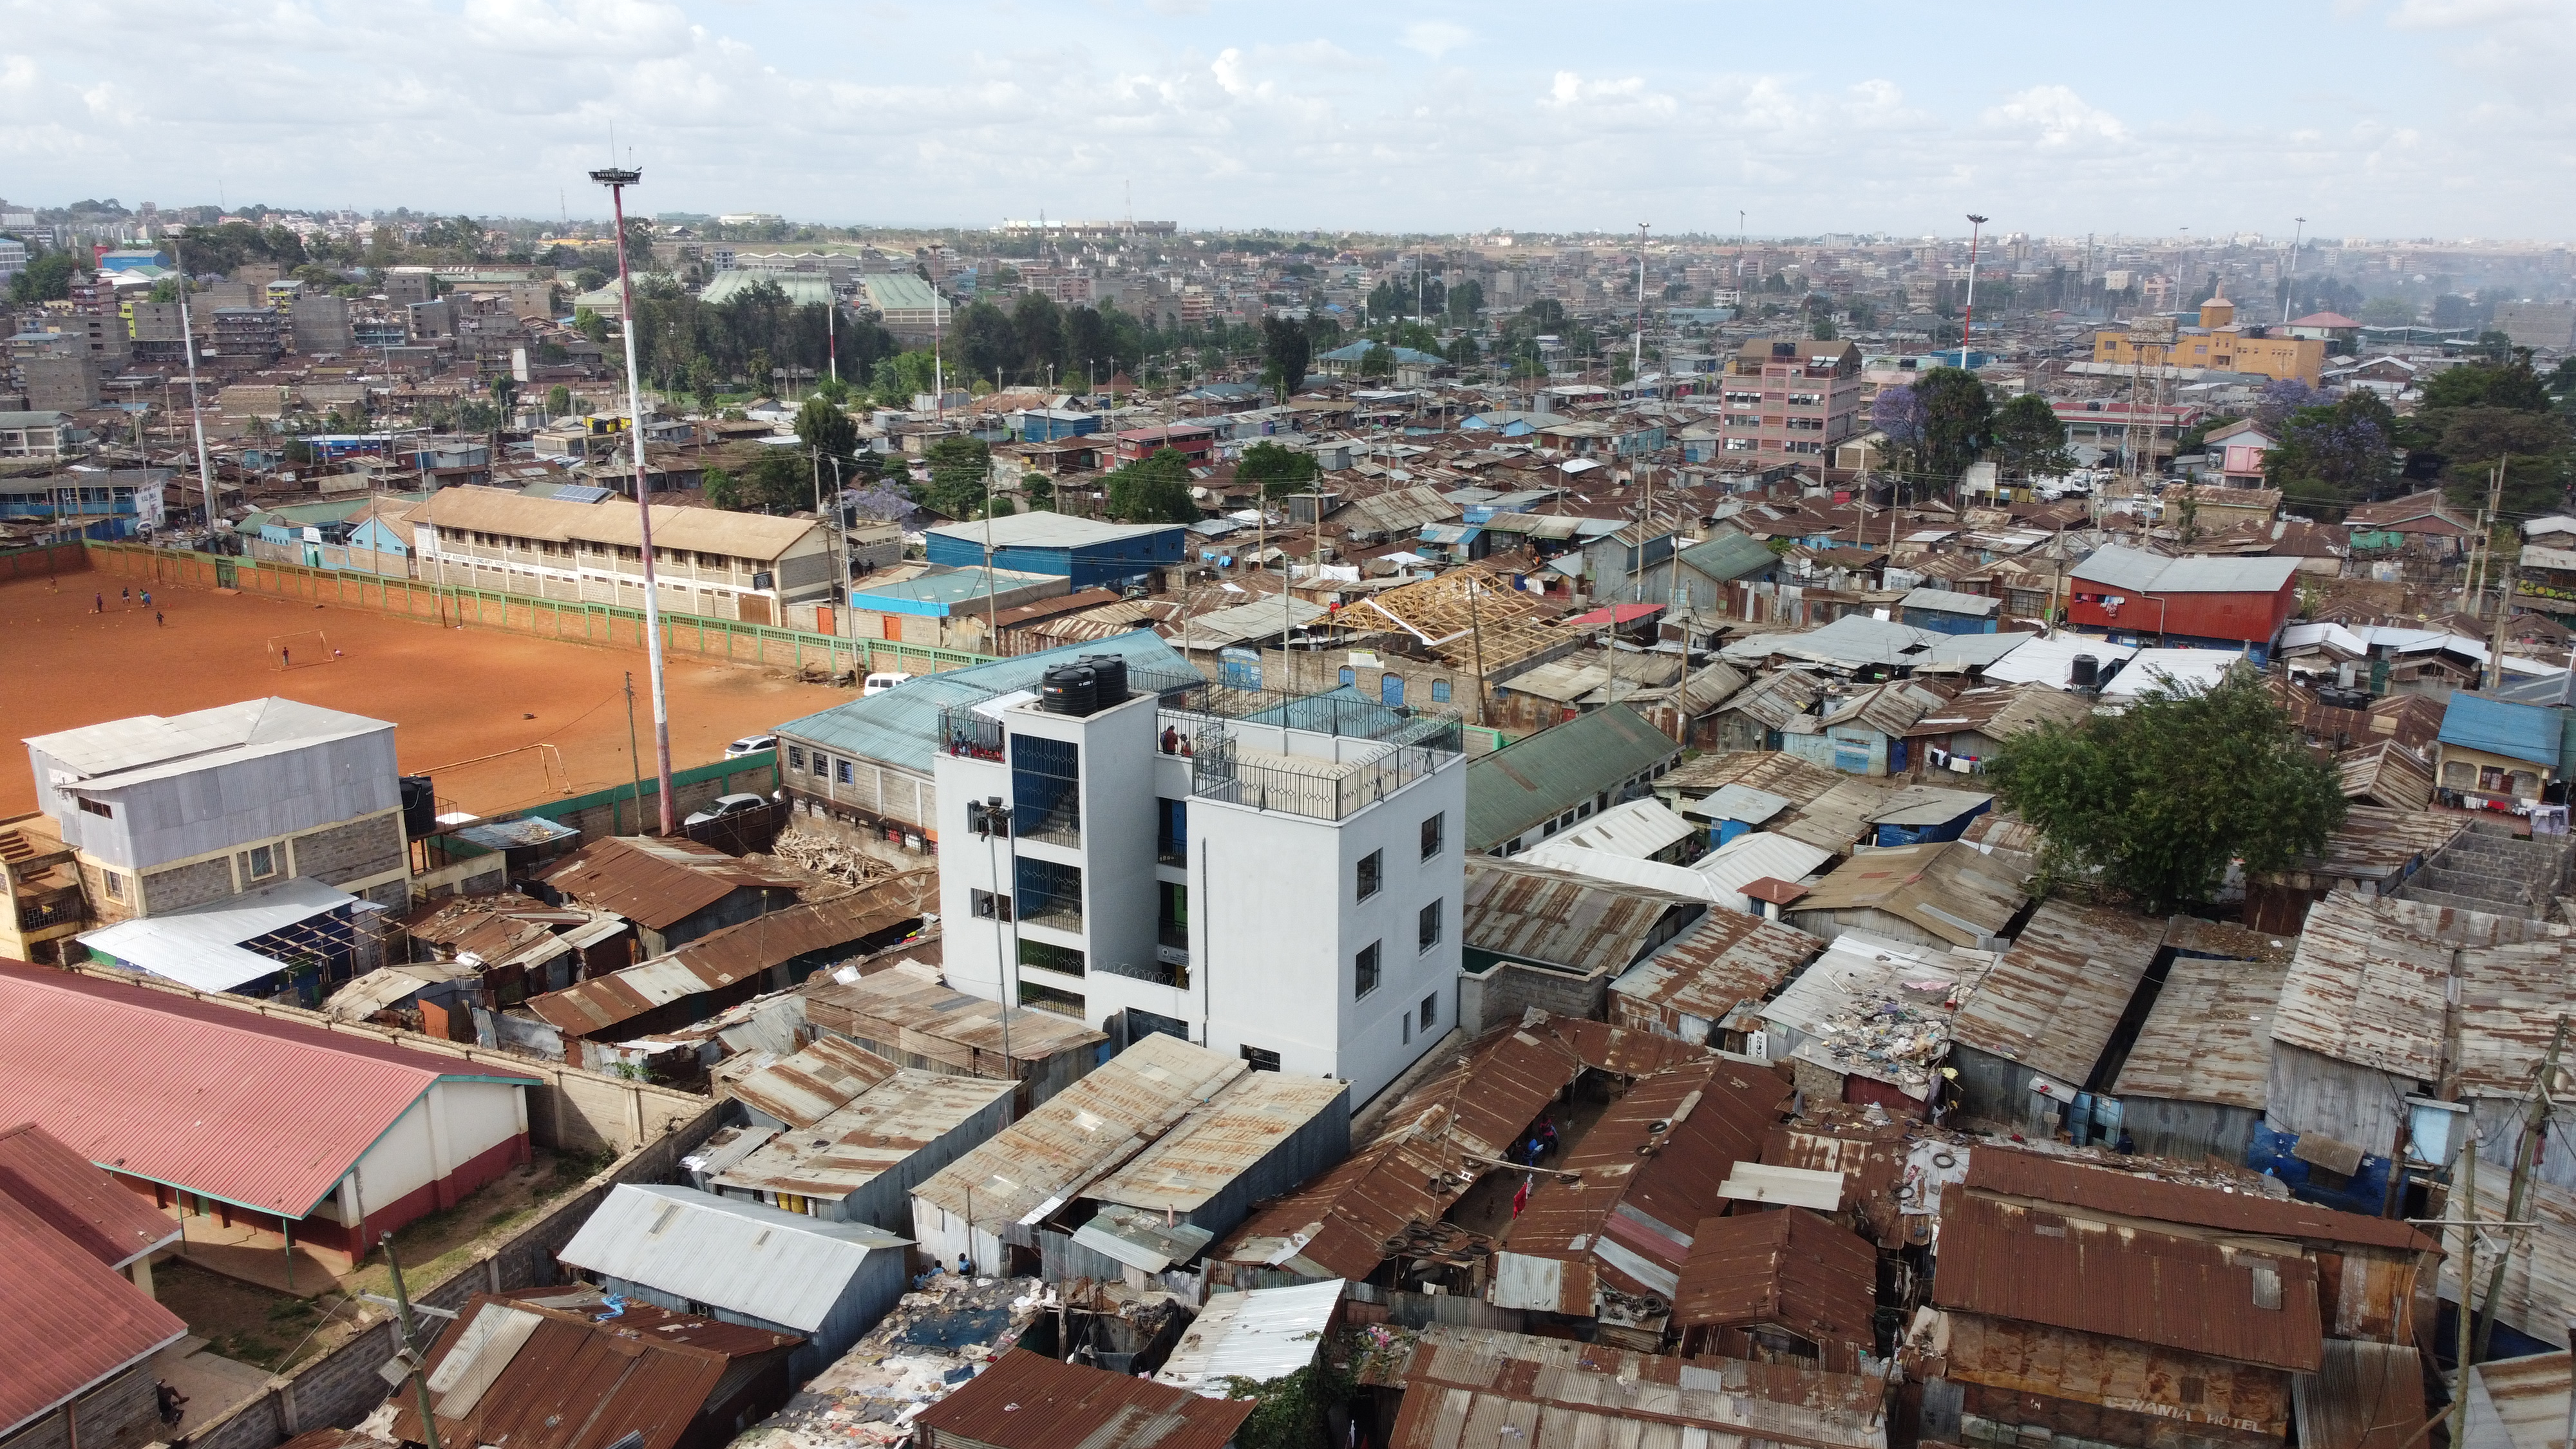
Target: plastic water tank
(2085, 672)
(1109, 677)
(1069, 689)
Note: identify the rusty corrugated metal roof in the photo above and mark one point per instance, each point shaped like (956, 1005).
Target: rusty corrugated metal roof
(722, 957)
(2012, 1172)
(1082, 1132)
(551, 1376)
(908, 1009)
(2368, 1396)
(1951, 890)
(814, 1083)
(1558, 918)
(1030, 1401)
(1220, 1141)
(1458, 1395)
(654, 880)
(1790, 1268)
(2065, 1270)
(2053, 1001)
(1448, 1131)
(2371, 980)
(1871, 1157)
(2511, 997)
(2209, 1036)
(846, 1149)
(1727, 960)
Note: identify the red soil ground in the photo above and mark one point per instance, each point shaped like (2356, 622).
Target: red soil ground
(457, 694)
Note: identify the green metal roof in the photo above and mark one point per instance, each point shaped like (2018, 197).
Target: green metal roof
(1556, 769)
(900, 727)
(1729, 556)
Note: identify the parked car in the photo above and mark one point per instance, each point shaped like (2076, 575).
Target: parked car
(726, 807)
(880, 683)
(750, 745)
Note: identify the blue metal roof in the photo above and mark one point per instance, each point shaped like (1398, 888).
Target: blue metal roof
(2516, 731)
(901, 726)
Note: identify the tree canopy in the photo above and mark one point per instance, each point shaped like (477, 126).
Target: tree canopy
(960, 477)
(1279, 471)
(2158, 800)
(2029, 437)
(1153, 489)
(2334, 454)
(826, 429)
(1958, 421)
(1286, 350)
(2477, 413)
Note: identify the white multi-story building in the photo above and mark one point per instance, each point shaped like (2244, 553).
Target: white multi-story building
(1279, 882)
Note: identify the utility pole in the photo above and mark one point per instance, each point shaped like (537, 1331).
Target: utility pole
(2468, 1273)
(2517, 1197)
(2292, 277)
(1968, 322)
(1637, 361)
(634, 756)
(617, 179)
(196, 415)
(413, 1351)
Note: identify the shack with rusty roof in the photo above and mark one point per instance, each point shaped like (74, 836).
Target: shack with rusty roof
(674, 890)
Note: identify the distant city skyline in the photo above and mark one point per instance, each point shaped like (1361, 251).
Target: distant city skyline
(2372, 118)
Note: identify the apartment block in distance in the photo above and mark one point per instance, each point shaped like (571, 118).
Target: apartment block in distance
(1264, 875)
(1787, 402)
(705, 561)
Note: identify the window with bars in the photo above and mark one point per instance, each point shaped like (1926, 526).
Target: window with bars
(1050, 894)
(1427, 927)
(1365, 975)
(1047, 956)
(1046, 789)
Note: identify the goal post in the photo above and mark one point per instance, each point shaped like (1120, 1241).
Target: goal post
(299, 650)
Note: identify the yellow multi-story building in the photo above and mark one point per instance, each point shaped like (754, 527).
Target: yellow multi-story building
(2218, 343)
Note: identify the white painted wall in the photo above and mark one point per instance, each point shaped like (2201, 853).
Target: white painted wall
(451, 1125)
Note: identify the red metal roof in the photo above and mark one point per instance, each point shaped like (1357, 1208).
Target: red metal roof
(66, 1321)
(194, 1091)
(1614, 614)
(2005, 1260)
(75, 1199)
(2015, 1173)
(1028, 1399)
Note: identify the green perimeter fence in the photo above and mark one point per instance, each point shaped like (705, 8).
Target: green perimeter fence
(580, 621)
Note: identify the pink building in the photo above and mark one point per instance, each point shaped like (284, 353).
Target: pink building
(1787, 401)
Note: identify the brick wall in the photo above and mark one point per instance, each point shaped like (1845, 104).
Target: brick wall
(182, 886)
(351, 851)
(105, 909)
(1504, 990)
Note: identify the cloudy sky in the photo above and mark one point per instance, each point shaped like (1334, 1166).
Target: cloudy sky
(2450, 118)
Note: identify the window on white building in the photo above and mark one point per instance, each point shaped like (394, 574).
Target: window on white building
(1372, 873)
(1365, 978)
(1427, 927)
(1434, 831)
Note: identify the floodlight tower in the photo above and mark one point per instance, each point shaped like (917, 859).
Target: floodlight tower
(617, 179)
(1968, 322)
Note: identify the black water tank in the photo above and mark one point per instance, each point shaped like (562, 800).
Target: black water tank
(419, 807)
(1109, 676)
(2085, 672)
(1069, 689)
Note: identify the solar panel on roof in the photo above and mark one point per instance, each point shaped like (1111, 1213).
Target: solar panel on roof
(579, 493)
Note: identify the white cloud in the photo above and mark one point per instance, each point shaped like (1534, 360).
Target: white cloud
(1436, 38)
(2058, 116)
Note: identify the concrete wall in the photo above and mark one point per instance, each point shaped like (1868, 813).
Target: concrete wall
(1506, 989)
(121, 1413)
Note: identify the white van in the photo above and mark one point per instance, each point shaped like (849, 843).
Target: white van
(880, 683)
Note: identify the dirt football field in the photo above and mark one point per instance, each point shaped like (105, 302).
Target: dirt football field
(457, 694)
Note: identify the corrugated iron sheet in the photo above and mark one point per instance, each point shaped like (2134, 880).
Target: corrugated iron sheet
(2209, 1036)
(654, 880)
(1261, 1335)
(909, 1011)
(1029, 1401)
(870, 1135)
(1951, 890)
(2064, 1270)
(1789, 1269)
(1220, 1141)
(1727, 962)
(815, 1082)
(1836, 819)
(2511, 997)
(720, 958)
(2516, 1403)
(744, 1257)
(2368, 1396)
(1447, 1132)
(2053, 1001)
(1558, 918)
(1455, 1397)
(1771, 771)
(260, 1111)
(2012, 1172)
(72, 1321)
(1085, 1130)
(2091, 1368)
(1871, 1158)
(2371, 979)
(574, 1383)
(107, 1221)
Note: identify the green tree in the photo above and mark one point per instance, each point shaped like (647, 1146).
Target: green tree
(960, 477)
(720, 489)
(1378, 361)
(47, 279)
(591, 325)
(2029, 437)
(1039, 489)
(2158, 800)
(834, 391)
(1280, 471)
(826, 429)
(1286, 350)
(1958, 421)
(1153, 489)
(2334, 455)
(558, 401)
(703, 382)
(1462, 351)
(780, 480)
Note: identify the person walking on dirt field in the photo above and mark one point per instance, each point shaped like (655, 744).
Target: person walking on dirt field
(98, 603)
(157, 620)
